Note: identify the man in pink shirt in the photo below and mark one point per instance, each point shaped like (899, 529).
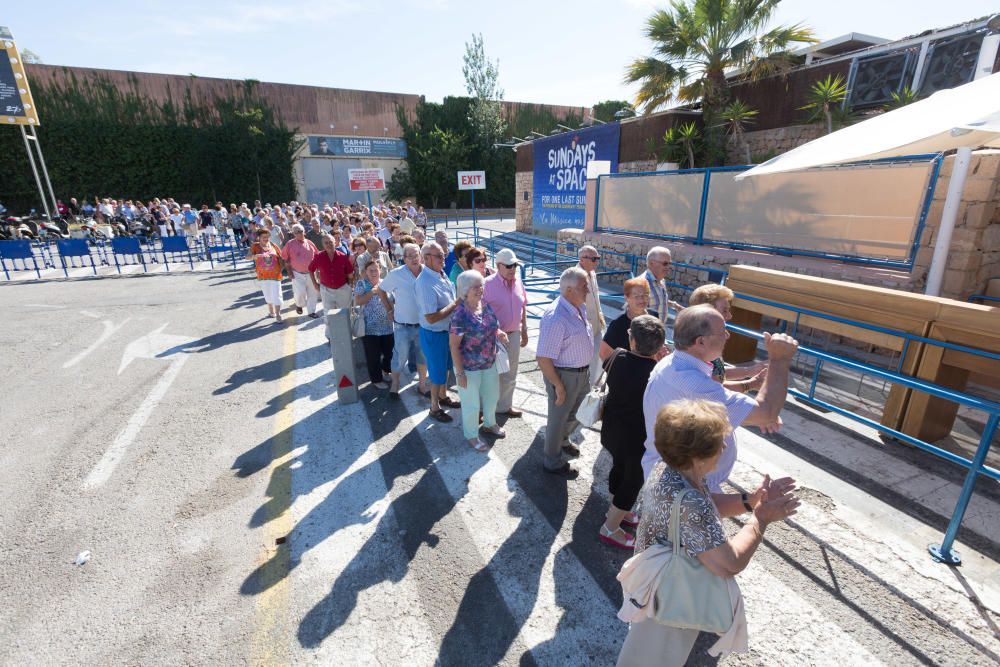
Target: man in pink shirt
(298, 254)
(505, 293)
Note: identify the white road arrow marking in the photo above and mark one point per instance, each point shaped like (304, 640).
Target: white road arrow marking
(149, 346)
(109, 330)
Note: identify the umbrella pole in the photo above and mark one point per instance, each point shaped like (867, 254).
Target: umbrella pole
(942, 246)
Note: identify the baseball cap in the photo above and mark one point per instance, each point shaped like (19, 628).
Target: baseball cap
(506, 256)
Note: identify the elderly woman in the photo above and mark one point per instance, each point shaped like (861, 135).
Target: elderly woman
(689, 436)
(473, 335)
(378, 339)
(358, 259)
(636, 304)
(743, 379)
(461, 247)
(475, 259)
(623, 430)
(267, 262)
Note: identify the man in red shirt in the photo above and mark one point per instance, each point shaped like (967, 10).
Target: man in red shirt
(298, 254)
(332, 274)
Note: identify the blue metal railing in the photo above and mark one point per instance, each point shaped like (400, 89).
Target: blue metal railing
(699, 237)
(976, 465)
(983, 298)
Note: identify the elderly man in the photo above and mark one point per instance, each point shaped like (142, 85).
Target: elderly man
(657, 267)
(436, 302)
(332, 275)
(505, 294)
(589, 261)
(400, 285)
(699, 337)
(373, 251)
(315, 233)
(298, 254)
(565, 349)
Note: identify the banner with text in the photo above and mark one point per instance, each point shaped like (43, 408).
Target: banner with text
(560, 175)
(357, 147)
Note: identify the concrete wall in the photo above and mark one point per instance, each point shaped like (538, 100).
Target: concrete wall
(974, 260)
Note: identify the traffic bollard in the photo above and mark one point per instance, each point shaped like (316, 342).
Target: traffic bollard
(338, 331)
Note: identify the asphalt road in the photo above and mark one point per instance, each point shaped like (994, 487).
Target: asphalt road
(236, 513)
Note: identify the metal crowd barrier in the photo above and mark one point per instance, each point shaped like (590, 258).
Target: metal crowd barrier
(976, 465)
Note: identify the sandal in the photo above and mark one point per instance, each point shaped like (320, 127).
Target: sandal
(495, 431)
(441, 416)
(612, 539)
(631, 520)
(478, 444)
(449, 402)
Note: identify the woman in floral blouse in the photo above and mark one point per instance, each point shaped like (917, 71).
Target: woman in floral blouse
(378, 339)
(473, 336)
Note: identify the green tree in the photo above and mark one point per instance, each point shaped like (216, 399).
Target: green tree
(683, 139)
(825, 97)
(482, 82)
(736, 116)
(697, 41)
(605, 111)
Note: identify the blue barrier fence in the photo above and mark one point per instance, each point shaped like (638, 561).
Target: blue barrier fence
(699, 237)
(118, 252)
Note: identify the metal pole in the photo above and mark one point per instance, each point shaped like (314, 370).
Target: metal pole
(34, 170)
(942, 552)
(369, 202)
(45, 171)
(475, 230)
(952, 202)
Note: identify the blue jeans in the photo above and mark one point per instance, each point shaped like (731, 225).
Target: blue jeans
(406, 338)
(480, 386)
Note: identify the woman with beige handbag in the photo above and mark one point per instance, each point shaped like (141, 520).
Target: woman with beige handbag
(667, 611)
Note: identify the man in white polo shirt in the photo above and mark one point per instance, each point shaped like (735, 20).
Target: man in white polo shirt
(400, 286)
(699, 337)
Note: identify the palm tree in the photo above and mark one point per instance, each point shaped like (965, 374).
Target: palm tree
(736, 116)
(697, 41)
(825, 97)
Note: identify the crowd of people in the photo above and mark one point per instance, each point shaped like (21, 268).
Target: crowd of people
(670, 411)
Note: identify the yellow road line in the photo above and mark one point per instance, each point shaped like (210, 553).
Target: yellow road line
(272, 633)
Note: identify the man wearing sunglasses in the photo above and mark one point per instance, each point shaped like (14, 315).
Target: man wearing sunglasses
(505, 294)
(590, 259)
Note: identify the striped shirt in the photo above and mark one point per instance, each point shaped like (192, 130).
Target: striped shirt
(659, 298)
(565, 335)
(678, 376)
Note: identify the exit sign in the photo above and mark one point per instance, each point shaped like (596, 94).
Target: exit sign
(472, 180)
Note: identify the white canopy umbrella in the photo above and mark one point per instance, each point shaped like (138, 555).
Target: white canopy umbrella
(961, 118)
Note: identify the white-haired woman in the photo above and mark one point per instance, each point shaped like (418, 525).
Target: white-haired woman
(473, 335)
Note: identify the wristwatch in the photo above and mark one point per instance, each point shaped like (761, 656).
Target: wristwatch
(746, 504)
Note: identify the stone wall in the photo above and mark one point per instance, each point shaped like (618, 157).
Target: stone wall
(523, 192)
(975, 244)
(616, 248)
(765, 144)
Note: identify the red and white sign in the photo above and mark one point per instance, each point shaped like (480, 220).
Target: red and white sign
(366, 179)
(472, 180)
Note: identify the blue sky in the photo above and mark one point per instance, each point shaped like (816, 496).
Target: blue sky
(559, 53)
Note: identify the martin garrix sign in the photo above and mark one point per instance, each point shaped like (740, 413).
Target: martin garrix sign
(560, 174)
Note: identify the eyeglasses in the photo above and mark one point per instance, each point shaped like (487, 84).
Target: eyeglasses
(480, 260)
(596, 258)
(507, 266)
(435, 256)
